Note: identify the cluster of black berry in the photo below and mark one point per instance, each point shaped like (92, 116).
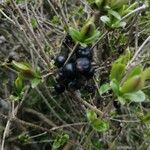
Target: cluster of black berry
(76, 72)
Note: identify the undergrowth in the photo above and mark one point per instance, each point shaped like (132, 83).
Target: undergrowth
(110, 110)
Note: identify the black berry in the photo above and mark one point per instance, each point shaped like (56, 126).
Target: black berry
(69, 70)
(90, 74)
(83, 65)
(59, 88)
(84, 52)
(60, 60)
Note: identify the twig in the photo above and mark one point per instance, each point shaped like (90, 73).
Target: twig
(143, 7)
(7, 16)
(68, 125)
(99, 39)
(138, 52)
(77, 95)
(70, 55)
(31, 32)
(41, 116)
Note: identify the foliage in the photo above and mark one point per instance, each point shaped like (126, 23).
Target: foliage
(110, 110)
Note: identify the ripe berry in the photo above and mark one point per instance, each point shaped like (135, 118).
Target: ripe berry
(59, 88)
(69, 70)
(83, 65)
(90, 74)
(60, 60)
(84, 52)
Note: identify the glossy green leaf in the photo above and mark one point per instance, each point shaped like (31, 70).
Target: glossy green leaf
(123, 59)
(132, 84)
(138, 96)
(115, 86)
(100, 125)
(75, 34)
(88, 29)
(115, 14)
(105, 19)
(19, 85)
(135, 71)
(93, 38)
(104, 88)
(146, 74)
(20, 66)
(117, 71)
(118, 24)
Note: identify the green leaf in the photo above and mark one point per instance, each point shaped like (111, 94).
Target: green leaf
(19, 85)
(115, 14)
(133, 84)
(28, 74)
(91, 115)
(123, 59)
(146, 118)
(122, 100)
(100, 125)
(146, 74)
(138, 96)
(135, 71)
(75, 34)
(115, 86)
(105, 19)
(35, 82)
(88, 29)
(104, 88)
(117, 71)
(20, 66)
(60, 141)
(98, 3)
(93, 38)
(116, 4)
(118, 24)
